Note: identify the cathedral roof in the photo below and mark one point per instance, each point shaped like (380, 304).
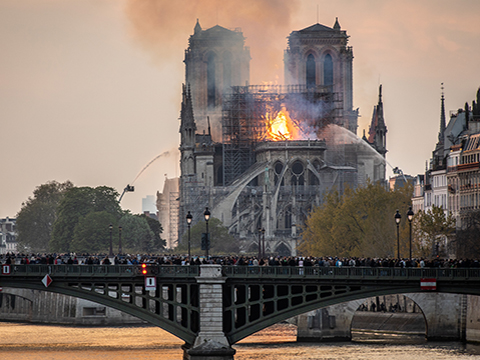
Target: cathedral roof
(315, 28)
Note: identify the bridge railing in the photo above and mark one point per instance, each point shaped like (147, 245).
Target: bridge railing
(104, 270)
(348, 272)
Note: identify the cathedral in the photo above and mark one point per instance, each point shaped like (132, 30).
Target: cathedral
(261, 157)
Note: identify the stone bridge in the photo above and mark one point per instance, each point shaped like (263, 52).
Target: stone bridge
(211, 307)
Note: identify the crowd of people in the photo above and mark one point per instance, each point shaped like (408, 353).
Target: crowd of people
(169, 259)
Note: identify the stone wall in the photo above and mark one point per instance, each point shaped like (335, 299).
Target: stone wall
(46, 307)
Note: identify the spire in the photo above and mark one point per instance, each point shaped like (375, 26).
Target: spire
(186, 114)
(441, 134)
(337, 25)
(380, 121)
(187, 120)
(197, 28)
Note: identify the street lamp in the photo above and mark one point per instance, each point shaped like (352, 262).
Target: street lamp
(206, 214)
(111, 250)
(398, 218)
(119, 239)
(259, 243)
(189, 222)
(263, 242)
(410, 218)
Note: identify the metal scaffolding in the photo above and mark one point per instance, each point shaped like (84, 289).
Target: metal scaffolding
(244, 121)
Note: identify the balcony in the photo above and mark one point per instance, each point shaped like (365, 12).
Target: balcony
(469, 166)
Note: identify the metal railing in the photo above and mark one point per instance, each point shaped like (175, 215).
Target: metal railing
(349, 272)
(103, 270)
(191, 271)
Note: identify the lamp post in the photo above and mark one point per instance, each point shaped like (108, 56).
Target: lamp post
(410, 218)
(259, 243)
(263, 242)
(398, 218)
(206, 214)
(189, 222)
(119, 239)
(111, 250)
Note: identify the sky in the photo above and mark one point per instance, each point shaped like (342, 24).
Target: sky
(90, 90)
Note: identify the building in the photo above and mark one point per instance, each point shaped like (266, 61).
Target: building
(8, 235)
(260, 157)
(452, 179)
(167, 205)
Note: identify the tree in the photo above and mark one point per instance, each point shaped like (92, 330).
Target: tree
(136, 234)
(431, 228)
(36, 217)
(221, 242)
(156, 227)
(92, 233)
(77, 203)
(466, 239)
(358, 223)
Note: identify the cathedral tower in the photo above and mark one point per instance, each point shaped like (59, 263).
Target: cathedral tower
(319, 56)
(215, 60)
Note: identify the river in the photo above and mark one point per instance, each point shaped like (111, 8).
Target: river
(46, 342)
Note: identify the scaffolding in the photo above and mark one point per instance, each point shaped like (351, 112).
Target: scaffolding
(244, 118)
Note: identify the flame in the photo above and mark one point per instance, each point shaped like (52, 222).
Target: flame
(281, 127)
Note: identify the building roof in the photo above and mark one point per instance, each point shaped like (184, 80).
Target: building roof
(315, 28)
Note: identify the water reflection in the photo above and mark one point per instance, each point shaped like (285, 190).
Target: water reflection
(27, 342)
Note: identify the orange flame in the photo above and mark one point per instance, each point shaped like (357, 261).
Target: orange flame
(281, 127)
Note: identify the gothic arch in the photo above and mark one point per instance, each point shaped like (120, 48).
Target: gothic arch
(328, 61)
(283, 250)
(328, 70)
(297, 172)
(311, 71)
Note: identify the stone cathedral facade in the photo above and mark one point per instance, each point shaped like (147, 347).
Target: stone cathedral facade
(260, 157)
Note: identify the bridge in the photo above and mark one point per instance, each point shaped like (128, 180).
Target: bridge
(211, 307)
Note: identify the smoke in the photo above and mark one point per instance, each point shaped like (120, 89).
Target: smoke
(162, 27)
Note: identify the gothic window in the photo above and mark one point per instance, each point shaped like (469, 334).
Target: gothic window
(297, 168)
(297, 174)
(311, 74)
(278, 167)
(288, 217)
(211, 80)
(227, 70)
(328, 70)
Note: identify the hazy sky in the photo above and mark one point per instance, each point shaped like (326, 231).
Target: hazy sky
(90, 89)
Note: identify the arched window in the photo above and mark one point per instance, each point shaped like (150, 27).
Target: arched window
(278, 171)
(227, 70)
(311, 74)
(288, 217)
(211, 79)
(328, 70)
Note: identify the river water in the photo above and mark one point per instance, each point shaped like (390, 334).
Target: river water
(46, 342)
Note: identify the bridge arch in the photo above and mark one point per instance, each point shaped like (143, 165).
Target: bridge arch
(172, 306)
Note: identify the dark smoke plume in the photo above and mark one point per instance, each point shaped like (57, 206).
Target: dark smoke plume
(163, 26)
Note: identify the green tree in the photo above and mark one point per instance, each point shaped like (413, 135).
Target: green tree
(466, 239)
(221, 242)
(358, 223)
(79, 202)
(431, 228)
(156, 227)
(92, 233)
(136, 234)
(36, 217)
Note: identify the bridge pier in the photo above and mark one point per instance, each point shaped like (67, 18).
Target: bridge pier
(211, 342)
